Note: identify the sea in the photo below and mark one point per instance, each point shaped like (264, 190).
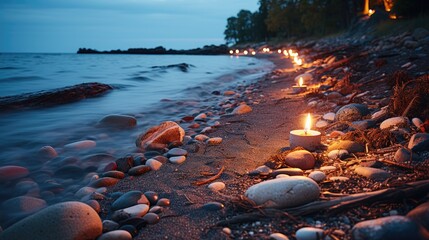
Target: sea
(148, 87)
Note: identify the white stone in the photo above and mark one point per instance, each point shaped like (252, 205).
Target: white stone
(309, 233)
(207, 130)
(284, 192)
(328, 168)
(278, 236)
(321, 124)
(80, 145)
(330, 116)
(317, 176)
(282, 176)
(216, 186)
(339, 178)
(334, 154)
(177, 160)
(138, 210)
(379, 113)
(394, 121)
(417, 122)
(116, 235)
(154, 164)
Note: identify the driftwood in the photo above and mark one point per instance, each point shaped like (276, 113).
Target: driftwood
(336, 205)
(211, 179)
(54, 97)
(342, 62)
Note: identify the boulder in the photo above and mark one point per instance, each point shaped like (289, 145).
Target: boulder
(158, 137)
(118, 121)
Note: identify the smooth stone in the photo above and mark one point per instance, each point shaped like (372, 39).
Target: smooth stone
(177, 160)
(151, 218)
(330, 116)
(161, 159)
(129, 199)
(228, 93)
(321, 124)
(118, 121)
(317, 176)
(420, 215)
(341, 154)
(201, 117)
(417, 122)
(419, 142)
(177, 152)
(48, 152)
(339, 178)
(21, 206)
(98, 157)
(282, 176)
(227, 230)
(158, 137)
(80, 145)
(153, 164)
(110, 167)
(116, 235)
(242, 109)
(309, 233)
(216, 186)
(163, 202)
(201, 137)
(139, 170)
(124, 164)
(333, 95)
(84, 191)
(350, 146)
(405, 156)
(94, 204)
(10, 173)
(288, 171)
(278, 236)
(302, 159)
(261, 170)
(213, 206)
(392, 227)
(284, 192)
(393, 122)
(152, 197)
(214, 141)
(328, 168)
(138, 210)
(151, 154)
(130, 228)
(114, 174)
(207, 130)
(67, 220)
(109, 225)
(336, 134)
(156, 209)
(379, 113)
(351, 112)
(372, 173)
(104, 182)
(26, 187)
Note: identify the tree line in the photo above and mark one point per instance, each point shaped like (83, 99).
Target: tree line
(283, 19)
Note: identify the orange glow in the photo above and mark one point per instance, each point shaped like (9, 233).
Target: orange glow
(300, 82)
(392, 16)
(285, 53)
(297, 60)
(307, 126)
(370, 12)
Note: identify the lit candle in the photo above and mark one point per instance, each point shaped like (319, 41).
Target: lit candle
(300, 87)
(253, 53)
(231, 52)
(245, 52)
(306, 138)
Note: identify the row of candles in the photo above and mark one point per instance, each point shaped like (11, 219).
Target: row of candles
(287, 53)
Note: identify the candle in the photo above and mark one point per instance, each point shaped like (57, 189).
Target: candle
(300, 87)
(306, 138)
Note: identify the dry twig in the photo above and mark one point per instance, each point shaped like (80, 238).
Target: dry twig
(211, 179)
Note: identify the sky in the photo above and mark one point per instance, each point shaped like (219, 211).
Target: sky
(66, 25)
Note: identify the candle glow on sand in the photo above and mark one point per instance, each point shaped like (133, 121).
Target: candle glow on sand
(300, 87)
(306, 138)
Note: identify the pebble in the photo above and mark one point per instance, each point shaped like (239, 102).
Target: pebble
(152, 197)
(109, 225)
(118, 121)
(104, 182)
(48, 152)
(321, 124)
(177, 152)
(393, 122)
(67, 220)
(129, 199)
(151, 218)
(417, 122)
(116, 235)
(130, 228)
(84, 191)
(310, 233)
(138, 210)
(114, 174)
(94, 204)
(214, 141)
(26, 187)
(163, 202)
(338, 154)
(302, 159)
(362, 124)
(22, 205)
(158, 137)
(379, 113)
(156, 209)
(201, 117)
(177, 160)
(339, 178)
(404, 155)
(335, 134)
(139, 170)
(317, 176)
(10, 173)
(242, 109)
(350, 146)
(216, 186)
(282, 176)
(420, 215)
(227, 231)
(161, 159)
(80, 145)
(201, 137)
(260, 170)
(312, 104)
(351, 112)
(213, 206)
(153, 164)
(207, 130)
(372, 173)
(288, 171)
(124, 164)
(419, 142)
(284, 192)
(330, 116)
(278, 236)
(392, 227)
(228, 93)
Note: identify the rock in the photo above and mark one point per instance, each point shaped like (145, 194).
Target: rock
(329, 116)
(310, 233)
(419, 142)
(264, 170)
(139, 170)
(216, 186)
(177, 152)
(302, 159)
(118, 121)
(114, 174)
(404, 156)
(379, 113)
(48, 152)
(340, 154)
(94, 204)
(177, 160)
(67, 220)
(351, 112)
(372, 173)
(131, 229)
(317, 176)
(201, 137)
(129, 199)
(213, 206)
(138, 210)
(336, 134)
(242, 109)
(321, 124)
(125, 164)
(362, 124)
(228, 93)
(151, 218)
(201, 117)
(411, 44)
(420, 215)
(163, 202)
(116, 235)
(278, 236)
(153, 164)
(350, 146)
(10, 173)
(288, 171)
(27, 187)
(84, 191)
(156, 209)
(80, 145)
(104, 182)
(341, 179)
(109, 225)
(392, 227)
(328, 168)
(152, 197)
(417, 122)
(214, 141)
(284, 192)
(393, 122)
(159, 137)
(19, 207)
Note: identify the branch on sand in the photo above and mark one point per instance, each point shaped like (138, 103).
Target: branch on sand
(211, 179)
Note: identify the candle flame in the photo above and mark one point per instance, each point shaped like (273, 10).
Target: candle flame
(307, 123)
(300, 82)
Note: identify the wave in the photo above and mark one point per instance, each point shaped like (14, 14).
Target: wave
(9, 68)
(184, 67)
(140, 79)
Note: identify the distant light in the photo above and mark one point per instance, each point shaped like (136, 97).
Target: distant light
(245, 52)
(253, 53)
(285, 53)
(279, 51)
(231, 52)
(237, 51)
(371, 11)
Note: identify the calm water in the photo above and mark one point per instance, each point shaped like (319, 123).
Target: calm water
(141, 88)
